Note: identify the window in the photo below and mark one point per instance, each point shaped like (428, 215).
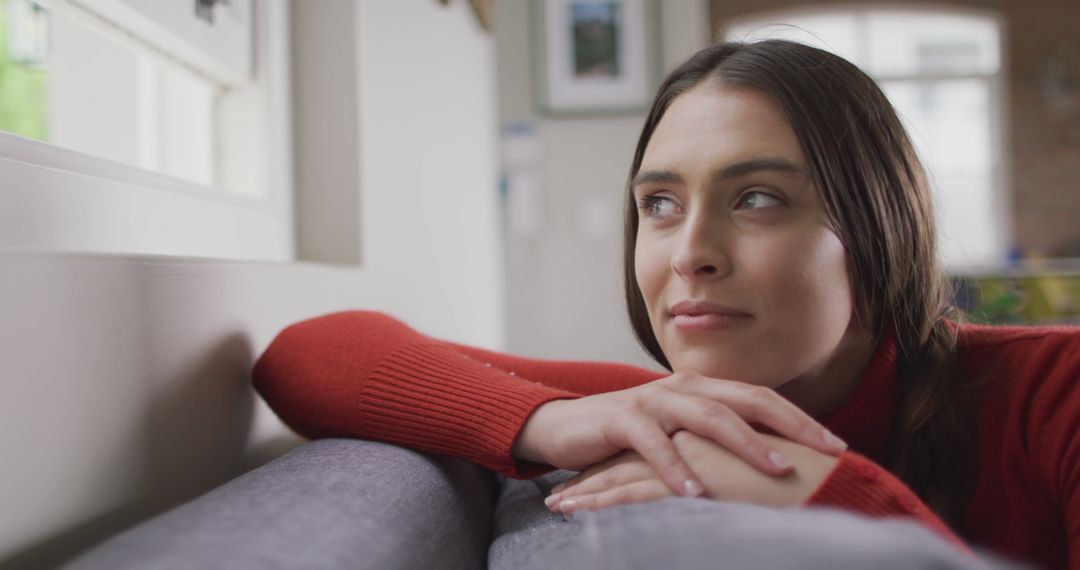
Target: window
(145, 126)
(942, 72)
(81, 81)
(23, 33)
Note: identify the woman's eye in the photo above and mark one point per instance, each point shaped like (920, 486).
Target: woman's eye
(657, 206)
(757, 201)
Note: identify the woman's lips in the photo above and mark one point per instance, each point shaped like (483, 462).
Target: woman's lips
(707, 321)
(699, 315)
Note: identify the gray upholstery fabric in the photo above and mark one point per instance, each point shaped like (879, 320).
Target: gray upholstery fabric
(356, 504)
(685, 534)
(332, 503)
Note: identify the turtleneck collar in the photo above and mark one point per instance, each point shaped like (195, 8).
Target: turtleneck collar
(865, 420)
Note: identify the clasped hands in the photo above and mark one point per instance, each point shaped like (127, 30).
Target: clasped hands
(683, 435)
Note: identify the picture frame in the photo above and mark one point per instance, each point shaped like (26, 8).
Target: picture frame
(594, 57)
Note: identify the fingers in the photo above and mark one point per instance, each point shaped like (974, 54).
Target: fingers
(754, 404)
(591, 429)
(642, 434)
(719, 423)
(627, 468)
(764, 406)
(636, 492)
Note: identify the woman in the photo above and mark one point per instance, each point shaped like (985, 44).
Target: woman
(780, 261)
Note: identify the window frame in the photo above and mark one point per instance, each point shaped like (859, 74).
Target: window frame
(59, 200)
(998, 81)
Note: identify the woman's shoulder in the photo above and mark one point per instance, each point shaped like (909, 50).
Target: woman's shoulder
(1039, 365)
(1043, 359)
(972, 336)
(1029, 412)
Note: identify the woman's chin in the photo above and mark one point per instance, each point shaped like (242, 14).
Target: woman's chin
(745, 372)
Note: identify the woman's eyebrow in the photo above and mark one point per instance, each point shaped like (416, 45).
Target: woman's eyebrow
(774, 164)
(651, 176)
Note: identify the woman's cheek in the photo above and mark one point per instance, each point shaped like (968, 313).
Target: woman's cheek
(824, 291)
(833, 281)
(650, 270)
(814, 267)
(805, 294)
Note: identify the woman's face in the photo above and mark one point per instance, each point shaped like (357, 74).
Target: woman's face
(742, 276)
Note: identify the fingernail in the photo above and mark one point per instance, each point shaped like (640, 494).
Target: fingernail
(833, 441)
(568, 506)
(558, 488)
(551, 500)
(779, 460)
(693, 488)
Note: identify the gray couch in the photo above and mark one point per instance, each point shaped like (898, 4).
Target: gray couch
(339, 503)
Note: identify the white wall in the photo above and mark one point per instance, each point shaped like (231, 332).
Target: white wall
(427, 137)
(126, 378)
(564, 284)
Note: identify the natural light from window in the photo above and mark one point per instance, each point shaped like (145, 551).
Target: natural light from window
(941, 72)
(74, 80)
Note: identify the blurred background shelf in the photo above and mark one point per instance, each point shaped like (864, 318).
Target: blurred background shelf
(1032, 293)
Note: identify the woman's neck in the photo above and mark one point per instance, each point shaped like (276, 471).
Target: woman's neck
(826, 388)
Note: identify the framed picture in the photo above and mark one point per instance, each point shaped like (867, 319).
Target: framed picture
(595, 56)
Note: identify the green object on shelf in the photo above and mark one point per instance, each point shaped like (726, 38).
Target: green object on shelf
(1030, 299)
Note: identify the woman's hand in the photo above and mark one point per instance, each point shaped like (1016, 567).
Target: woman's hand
(574, 434)
(627, 478)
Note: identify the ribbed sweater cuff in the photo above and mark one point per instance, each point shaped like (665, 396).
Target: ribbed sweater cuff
(433, 398)
(858, 484)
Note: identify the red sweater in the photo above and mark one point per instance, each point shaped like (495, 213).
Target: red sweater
(367, 375)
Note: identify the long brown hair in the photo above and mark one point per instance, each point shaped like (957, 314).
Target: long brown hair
(877, 199)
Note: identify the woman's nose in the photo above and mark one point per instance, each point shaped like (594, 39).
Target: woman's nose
(700, 253)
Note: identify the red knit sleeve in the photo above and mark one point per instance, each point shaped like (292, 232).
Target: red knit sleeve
(367, 375)
(858, 484)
